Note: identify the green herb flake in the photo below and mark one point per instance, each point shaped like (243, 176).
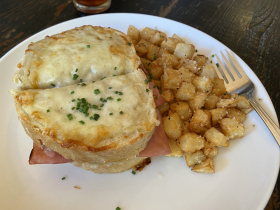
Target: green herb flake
(103, 100)
(82, 122)
(210, 61)
(76, 70)
(96, 91)
(128, 43)
(101, 105)
(155, 57)
(93, 81)
(88, 46)
(75, 76)
(70, 117)
(217, 64)
(116, 92)
(119, 99)
(149, 64)
(73, 108)
(48, 110)
(156, 98)
(96, 117)
(133, 172)
(63, 178)
(114, 75)
(115, 68)
(94, 106)
(154, 86)
(111, 113)
(121, 112)
(195, 50)
(146, 81)
(118, 208)
(72, 92)
(83, 84)
(103, 78)
(213, 56)
(110, 88)
(120, 93)
(73, 100)
(147, 90)
(81, 80)
(109, 98)
(53, 85)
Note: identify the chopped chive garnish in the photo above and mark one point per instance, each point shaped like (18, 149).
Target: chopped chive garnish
(72, 92)
(156, 97)
(115, 68)
(114, 75)
(53, 85)
(109, 98)
(48, 110)
(213, 55)
(75, 76)
(83, 84)
(146, 81)
(133, 172)
(70, 117)
(63, 178)
(210, 61)
(73, 108)
(195, 50)
(118, 208)
(81, 80)
(149, 64)
(110, 88)
(88, 46)
(154, 86)
(87, 114)
(121, 112)
(93, 81)
(119, 99)
(73, 100)
(82, 122)
(110, 37)
(94, 106)
(155, 57)
(120, 93)
(96, 91)
(103, 100)
(103, 78)
(96, 117)
(111, 113)
(101, 105)
(76, 70)
(116, 92)
(217, 64)
(128, 43)
(147, 90)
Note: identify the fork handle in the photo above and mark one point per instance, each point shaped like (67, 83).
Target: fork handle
(274, 129)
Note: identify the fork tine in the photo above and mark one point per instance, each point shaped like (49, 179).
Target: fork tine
(218, 72)
(228, 77)
(237, 66)
(232, 71)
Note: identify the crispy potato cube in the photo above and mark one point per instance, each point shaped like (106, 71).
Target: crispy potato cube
(170, 59)
(236, 114)
(147, 33)
(177, 37)
(190, 64)
(172, 126)
(198, 121)
(210, 150)
(183, 50)
(176, 151)
(191, 142)
(219, 87)
(142, 47)
(185, 127)
(211, 101)
(194, 158)
(226, 103)
(172, 79)
(216, 138)
(200, 59)
(158, 38)
(163, 108)
(168, 95)
(153, 52)
(208, 71)
(198, 101)
(243, 103)
(217, 115)
(203, 84)
(182, 109)
(247, 111)
(156, 71)
(208, 123)
(185, 92)
(133, 33)
(232, 128)
(146, 63)
(205, 167)
(187, 75)
(169, 44)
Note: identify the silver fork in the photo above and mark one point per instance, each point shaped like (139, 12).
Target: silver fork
(240, 83)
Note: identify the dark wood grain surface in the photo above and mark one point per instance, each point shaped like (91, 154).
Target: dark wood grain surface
(251, 28)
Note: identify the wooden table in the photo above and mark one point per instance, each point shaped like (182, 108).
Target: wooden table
(251, 28)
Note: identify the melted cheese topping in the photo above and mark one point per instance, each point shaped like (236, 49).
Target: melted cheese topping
(48, 109)
(95, 51)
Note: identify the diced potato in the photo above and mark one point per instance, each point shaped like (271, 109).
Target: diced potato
(198, 121)
(183, 110)
(236, 114)
(203, 84)
(157, 84)
(146, 63)
(219, 87)
(187, 75)
(243, 103)
(197, 102)
(142, 47)
(158, 38)
(171, 79)
(211, 101)
(172, 125)
(200, 59)
(225, 96)
(232, 128)
(176, 151)
(247, 111)
(227, 103)
(194, 158)
(216, 138)
(217, 116)
(185, 92)
(156, 71)
(208, 71)
(153, 52)
(163, 108)
(208, 124)
(167, 95)
(169, 44)
(185, 127)
(210, 150)
(205, 167)
(191, 65)
(147, 33)
(177, 37)
(170, 59)
(133, 33)
(183, 50)
(191, 142)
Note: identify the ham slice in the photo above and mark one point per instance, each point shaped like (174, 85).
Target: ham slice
(45, 156)
(158, 144)
(159, 100)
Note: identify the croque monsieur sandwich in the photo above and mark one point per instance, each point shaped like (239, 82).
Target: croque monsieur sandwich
(102, 115)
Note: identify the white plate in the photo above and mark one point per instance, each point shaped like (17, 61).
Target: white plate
(246, 171)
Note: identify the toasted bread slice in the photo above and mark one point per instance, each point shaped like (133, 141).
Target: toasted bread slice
(88, 53)
(109, 120)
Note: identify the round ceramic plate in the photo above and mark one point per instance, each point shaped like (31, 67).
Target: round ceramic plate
(246, 171)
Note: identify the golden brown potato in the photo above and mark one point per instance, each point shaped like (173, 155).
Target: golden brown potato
(232, 128)
(227, 103)
(183, 50)
(169, 44)
(183, 110)
(208, 71)
(198, 121)
(153, 52)
(191, 142)
(177, 37)
(205, 167)
(172, 125)
(202, 84)
(208, 123)
(190, 64)
(158, 38)
(185, 127)
(176, 151)
(185, 92)
(200, 59)
(243, 103)
(170, 59)
(163, 108)
(216, 138)
(198, 101)
(133, 33)
(157, 84)
(172, 79)
(156, 71)
(147, 33)
(146, 63)
(236, 114)
(211, 101)
(194, 158)
(167, 95)
(187, 75)
(219, 87)
(217, 116)
(247, 111)
(142, 47)
(210, 150)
